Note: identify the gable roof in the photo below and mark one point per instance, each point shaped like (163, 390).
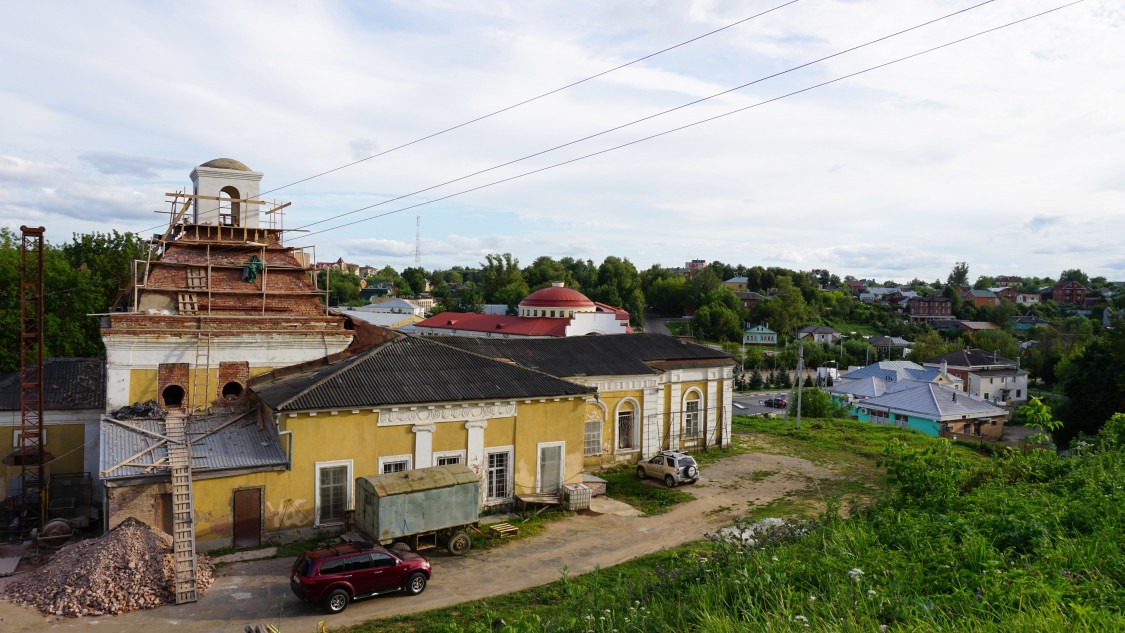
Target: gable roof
(410, 370)
(867, 387)
(970, 358)
(932, 401)
(817, 329)
(630, 354)
(889, 341)
(893, 371)
(68, 384)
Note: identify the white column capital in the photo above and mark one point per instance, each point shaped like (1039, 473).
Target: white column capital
(476, 424)
(423, 428)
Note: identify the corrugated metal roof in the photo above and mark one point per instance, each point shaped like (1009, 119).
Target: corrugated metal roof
(69, 383)
(623, 355)
(217, 444)
(861, 387)
(411, 370)
(893, 371)
(420, 479)
(932, 401)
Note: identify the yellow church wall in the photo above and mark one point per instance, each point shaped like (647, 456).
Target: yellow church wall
(65, 442)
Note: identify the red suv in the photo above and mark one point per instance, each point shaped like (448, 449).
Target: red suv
(334, 576)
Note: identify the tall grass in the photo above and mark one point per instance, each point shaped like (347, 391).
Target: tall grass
(1018, 542)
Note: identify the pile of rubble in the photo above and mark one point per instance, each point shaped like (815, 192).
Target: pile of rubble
(759, 533)
(128, 568)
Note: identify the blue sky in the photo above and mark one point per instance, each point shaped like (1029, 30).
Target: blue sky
(1007, 151)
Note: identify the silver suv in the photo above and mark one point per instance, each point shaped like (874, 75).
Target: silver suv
(673, 467)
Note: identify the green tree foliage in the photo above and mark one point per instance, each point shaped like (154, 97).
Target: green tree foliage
(816, 403)
(415, 279)
(619, 285)
(960, 275)
(343, 287)
(667, 296)
(997, 341)
(545, 270)
(717, 322)
(502, 273)
(1075, 274)
(84, 276)
(929, 345)
(786, 310)
(1094, 382)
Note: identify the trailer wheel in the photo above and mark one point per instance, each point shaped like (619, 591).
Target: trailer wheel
(458, 543)
(401, 546)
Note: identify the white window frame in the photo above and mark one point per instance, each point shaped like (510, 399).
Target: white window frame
(539, 463)
(510, 484)
(394, 459)
(635, 440)
(348, 488)
(693, 395)
(439, 455)
(592, 440)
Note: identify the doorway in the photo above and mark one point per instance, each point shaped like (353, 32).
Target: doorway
(248, 517)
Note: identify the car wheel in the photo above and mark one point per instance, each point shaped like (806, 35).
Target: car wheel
(641, 472)
(336, 601)
(415, 584)
(401, 546)
(458, 543)
(669, 481)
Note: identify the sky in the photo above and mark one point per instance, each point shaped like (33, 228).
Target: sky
(1005, 151)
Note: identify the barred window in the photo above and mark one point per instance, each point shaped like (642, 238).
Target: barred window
(625, 430)
(692, 427)
(499, 474)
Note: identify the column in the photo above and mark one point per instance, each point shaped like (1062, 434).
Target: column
(474, 451)
(423, 445)
(674, 415)
(711, 411)
(653, 432)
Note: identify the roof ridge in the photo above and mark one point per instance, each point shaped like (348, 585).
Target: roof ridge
(340, 367)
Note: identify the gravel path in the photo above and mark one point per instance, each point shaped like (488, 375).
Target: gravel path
(257, 592)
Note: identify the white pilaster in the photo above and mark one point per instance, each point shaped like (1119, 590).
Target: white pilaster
(675, 415)
(474, 457)
(653, 432)
(711, 411)
(423, 445)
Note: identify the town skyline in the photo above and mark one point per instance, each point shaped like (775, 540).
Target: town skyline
(1003, 151)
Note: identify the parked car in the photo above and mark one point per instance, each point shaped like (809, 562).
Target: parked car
(673, 467)
(334, 576)
(776, 403)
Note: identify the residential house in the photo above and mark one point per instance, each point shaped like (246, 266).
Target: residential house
(980, 297)
(1026, 322)
(820, 334)
(929, 308)
(749, 300)
(759, 335)
(736, 284)
(985, 375)
(888, 346)
(1005, 281)
(1019, 298)
(977, 326)
(934, 409)
(856, 286)
(891, 371)
(1069, 293)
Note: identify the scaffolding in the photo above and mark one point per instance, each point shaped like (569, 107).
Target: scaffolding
(31, 439)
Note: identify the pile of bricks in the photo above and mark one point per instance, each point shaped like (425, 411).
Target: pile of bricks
(127, 569)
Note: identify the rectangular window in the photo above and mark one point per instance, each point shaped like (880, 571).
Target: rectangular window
(625, 430)
(691, 419)
(499, 475)
(394, 464)
(450, 459)
(333, 492)
(592, 443)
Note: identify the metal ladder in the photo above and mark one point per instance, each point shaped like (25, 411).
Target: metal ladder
(183, 509)
(201, 376)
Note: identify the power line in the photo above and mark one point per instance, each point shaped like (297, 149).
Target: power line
(683, 127)
(647, 118)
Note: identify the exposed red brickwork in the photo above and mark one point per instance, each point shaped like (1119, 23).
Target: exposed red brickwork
(232, 374)
(125, 323)
(170, 374)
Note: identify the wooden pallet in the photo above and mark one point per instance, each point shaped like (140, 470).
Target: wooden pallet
(504, 529)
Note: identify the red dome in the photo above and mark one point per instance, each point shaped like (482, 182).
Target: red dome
(556, 297)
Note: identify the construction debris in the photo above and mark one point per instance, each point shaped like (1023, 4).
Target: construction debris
(150, 409)
(127, 569)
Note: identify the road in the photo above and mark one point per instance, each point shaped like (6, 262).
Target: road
(257, 592)
(750, 403)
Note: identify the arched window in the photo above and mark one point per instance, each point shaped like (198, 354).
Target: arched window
(229, 206)
(693, 414)
(628, 437)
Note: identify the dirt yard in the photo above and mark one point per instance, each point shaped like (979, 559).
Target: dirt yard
(257, 592)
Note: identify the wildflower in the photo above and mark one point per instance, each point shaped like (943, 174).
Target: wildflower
(870, 592)
(855, 573)
(774, 559)
(812, 598)
(800, 618)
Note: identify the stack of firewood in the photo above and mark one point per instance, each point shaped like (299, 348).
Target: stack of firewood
(127, 569)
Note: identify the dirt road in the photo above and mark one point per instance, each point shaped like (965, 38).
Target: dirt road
(258, 592)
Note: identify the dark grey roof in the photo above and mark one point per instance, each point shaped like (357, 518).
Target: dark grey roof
(889, 341)
(69, 383)
(217, 444)
(817, 329)
(933, 402)
(627, 354)
(410, 370)
(969, 358)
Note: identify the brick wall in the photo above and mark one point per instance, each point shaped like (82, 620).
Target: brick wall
(237, 373)
(169, 374)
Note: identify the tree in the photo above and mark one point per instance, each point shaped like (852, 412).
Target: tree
(343, 287)
(1094, 384)
(416, 279)
(960, 275)
(1075, 274)
(787, 309)
(501, 271)
(619, 285)
(545, 270)
(817, 404)
(929, 345)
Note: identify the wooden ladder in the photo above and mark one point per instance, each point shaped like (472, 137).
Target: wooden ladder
(183, 509)
(201, 373)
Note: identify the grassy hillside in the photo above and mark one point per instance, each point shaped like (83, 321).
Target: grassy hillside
(959, 541)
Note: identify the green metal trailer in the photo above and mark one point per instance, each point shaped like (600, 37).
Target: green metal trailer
(420, 507)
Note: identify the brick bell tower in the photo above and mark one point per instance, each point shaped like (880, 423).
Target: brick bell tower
(219, 300)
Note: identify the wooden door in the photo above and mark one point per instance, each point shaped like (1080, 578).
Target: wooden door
(248, 517)
(164, 512)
